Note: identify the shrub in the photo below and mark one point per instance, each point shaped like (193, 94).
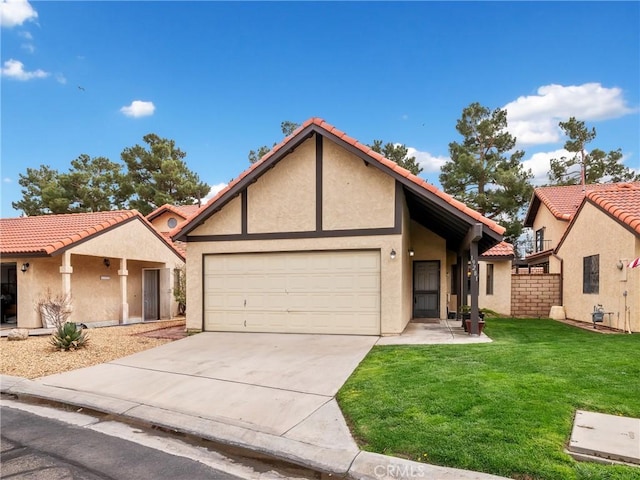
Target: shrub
(54, 309)
(69, 336)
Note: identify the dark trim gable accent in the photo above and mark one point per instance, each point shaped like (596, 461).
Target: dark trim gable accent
(399, 199)
(364, 232)
(244, 207)
(446, 208)
(319, 179)
(249, 178)
(410, 185)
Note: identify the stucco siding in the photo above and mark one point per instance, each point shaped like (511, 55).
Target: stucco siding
(161, 221)
(596, 233)
(354, 195)
(553, 228)
(283, 199)
(129, 240)
(500, 300)
(228, 221)
(391, 271)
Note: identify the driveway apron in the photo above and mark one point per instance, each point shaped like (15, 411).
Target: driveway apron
(266, 382)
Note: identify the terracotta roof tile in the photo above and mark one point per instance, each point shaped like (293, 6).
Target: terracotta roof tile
(46, 234)
(621, 202)
(503, 249)
(365, 149)
(563, 201)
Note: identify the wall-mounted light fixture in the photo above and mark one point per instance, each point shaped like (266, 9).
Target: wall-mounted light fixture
(107, 262)
(24, 267)
(393, 254)
(411, 252)
(620, 265)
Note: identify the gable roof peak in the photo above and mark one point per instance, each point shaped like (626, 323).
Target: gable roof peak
(307, 128)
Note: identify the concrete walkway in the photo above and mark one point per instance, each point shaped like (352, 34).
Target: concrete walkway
(273, 394)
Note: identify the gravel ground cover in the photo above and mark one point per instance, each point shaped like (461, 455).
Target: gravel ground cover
(36, 357)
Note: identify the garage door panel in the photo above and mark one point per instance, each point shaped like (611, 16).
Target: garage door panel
(305, 292)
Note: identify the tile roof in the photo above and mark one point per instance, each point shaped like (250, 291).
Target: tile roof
(563, 201)
(621, 202)
(48, 234)
(502, 249)
(318, 122)
(184, 211)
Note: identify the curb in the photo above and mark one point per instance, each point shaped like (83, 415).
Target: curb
(354, 464)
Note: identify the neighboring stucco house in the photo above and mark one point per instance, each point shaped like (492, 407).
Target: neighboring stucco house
(323, 235)
(495, 278)
(115, 266)
(589, 236)
(167, 217)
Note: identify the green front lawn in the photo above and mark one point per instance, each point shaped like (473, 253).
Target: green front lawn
(504, 407)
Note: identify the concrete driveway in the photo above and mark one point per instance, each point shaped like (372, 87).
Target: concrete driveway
(270, 383)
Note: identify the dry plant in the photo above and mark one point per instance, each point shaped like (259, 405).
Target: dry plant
(54, 309)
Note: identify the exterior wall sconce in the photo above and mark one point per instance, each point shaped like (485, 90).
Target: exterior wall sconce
(24, 267)
(411, 252)
(107, 262)
(620, 265)
(393, 254)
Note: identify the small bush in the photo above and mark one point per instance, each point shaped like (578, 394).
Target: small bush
(53, 309)
(69, 336)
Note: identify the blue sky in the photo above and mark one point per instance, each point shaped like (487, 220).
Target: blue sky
(219, 77)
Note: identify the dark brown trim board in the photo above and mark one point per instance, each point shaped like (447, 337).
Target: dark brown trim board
(244, 206)
(364, 232)
(319, 179)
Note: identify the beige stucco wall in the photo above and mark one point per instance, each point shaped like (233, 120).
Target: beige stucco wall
(354, 195)
(430, 247)
(287, 193)
(160, 222)
(554, 228)
(95, 288)
(227, 221)
(391, 305)
(500, 300)
(596, 233)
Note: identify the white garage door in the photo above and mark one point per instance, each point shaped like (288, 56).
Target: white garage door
(301, 292)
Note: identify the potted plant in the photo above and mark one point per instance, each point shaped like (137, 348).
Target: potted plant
(466, 318)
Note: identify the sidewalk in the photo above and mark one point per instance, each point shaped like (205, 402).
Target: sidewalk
(320, 441)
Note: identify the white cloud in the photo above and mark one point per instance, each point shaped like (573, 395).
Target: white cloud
(7, 180)
(26, 35)
(428, 162)
(138, 108)
(15, 69)
(28, 47)
(213, 191)
(534, 119)
(60, 78)
(16, 12)
(540, 162)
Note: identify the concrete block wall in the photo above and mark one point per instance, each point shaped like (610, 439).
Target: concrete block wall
(533, 295)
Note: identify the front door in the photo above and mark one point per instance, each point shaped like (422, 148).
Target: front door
(151, 294)
(426, 289)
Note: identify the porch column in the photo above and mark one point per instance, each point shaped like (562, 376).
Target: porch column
(65, 272)
(470, 247)
(124, 305)
(475, 289)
